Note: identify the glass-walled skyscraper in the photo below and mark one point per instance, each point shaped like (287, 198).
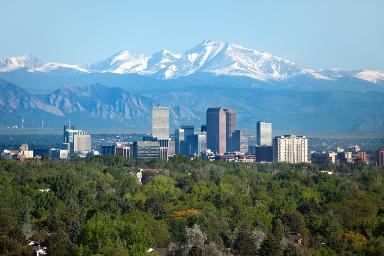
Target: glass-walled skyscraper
(264, 133)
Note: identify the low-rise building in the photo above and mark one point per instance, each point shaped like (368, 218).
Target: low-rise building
(55, 153)
(237, 158)
(108, 150)
(344, 157)
(124, 151)
(264, 154)
(361, 155)
(146, 150)
(323, 158)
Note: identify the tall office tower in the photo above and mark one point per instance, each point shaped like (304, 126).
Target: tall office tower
(160, 122)
(81, 143)
(69, 133)
(264, 133)
(240, 141)
(236, 141)
(69, 139)
(199, 143)
(179, 139)
(216, 130)
(291, 149)
(186, 145)
(230, 128)
(244, 141)
(66, 128)
(381, 157)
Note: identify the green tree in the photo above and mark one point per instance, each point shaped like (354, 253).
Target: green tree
(244, 244)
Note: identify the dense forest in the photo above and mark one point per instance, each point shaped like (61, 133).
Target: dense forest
(98, 206)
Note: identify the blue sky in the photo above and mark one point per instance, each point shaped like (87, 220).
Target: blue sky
(313, 33)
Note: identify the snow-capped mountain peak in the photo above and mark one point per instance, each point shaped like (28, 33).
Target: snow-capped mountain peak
(53, 66)
(372, 76)
(211, 57)
(120, 63)
(16, 62)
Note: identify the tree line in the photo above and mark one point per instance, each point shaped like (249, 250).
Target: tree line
(96, 206)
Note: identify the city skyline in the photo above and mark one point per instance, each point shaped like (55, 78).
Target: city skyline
(192, 127)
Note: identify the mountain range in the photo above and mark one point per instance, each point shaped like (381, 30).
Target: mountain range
(119, 91)
(209, 57)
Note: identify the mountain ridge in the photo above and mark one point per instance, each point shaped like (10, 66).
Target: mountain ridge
(100, 106)
(213, 57)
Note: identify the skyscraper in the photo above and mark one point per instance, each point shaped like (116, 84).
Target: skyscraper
(75, 140)
(81, 143)
(230, 127)
(264, 133)
(291, 149)
(160, 122)
(236, 141)
(240, 141)
(216, 130)
(186, 145)
(199, 143)
(179, 139)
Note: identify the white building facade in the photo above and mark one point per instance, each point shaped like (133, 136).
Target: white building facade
(291, 149)
(160, 123)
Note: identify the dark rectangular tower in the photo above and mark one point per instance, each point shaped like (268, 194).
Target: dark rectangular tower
(216, 130)
(230, 127)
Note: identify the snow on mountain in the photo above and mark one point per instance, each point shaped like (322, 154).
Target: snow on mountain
(16, 62)
(161, 64)
(121, 63)
(52, 66)
(34, 64)
(212, 57)
(232, 59)
(372, 76)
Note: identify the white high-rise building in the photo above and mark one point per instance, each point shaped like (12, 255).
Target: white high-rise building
(81, 143)
(160, 123)
(264, 133)
(291, 149)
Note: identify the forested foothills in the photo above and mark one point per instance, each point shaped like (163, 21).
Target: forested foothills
(98, 206)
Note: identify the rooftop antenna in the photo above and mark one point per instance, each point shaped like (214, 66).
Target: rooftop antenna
(42, 124)
(22, 122)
